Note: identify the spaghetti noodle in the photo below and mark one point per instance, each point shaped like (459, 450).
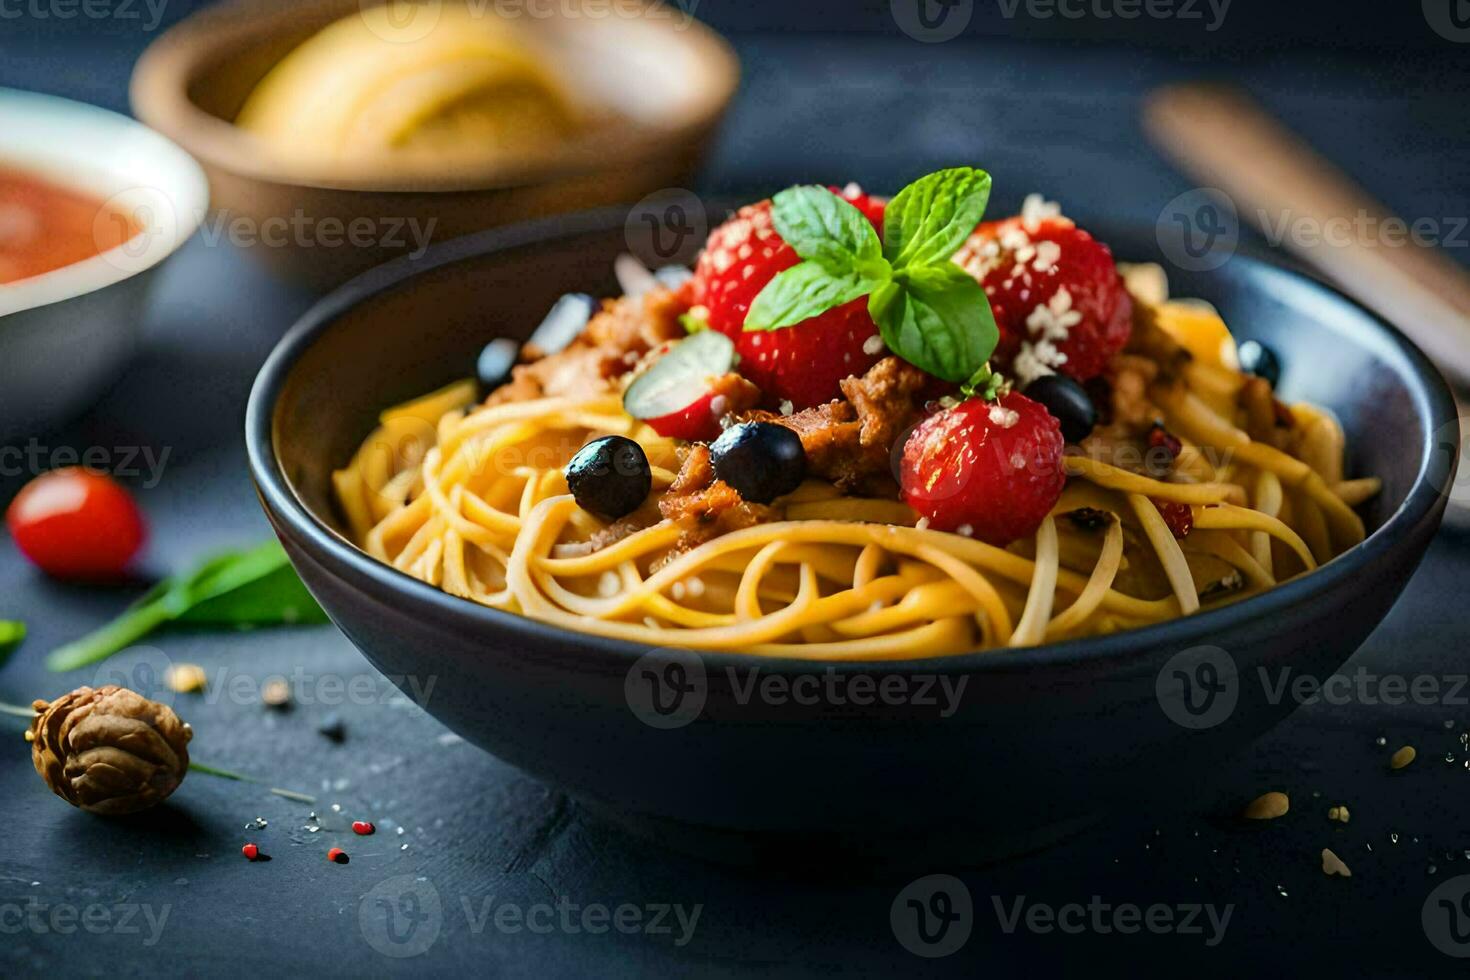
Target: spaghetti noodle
(472, 498)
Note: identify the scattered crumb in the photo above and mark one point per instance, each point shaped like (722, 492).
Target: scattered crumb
(185, 678)
(1267, 806)
(1338, 813)
(1333, 865)
(276, 692)
(1402, 757)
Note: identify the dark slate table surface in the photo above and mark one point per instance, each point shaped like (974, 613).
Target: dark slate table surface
(168, 893)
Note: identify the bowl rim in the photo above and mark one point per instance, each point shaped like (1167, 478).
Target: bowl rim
(297, 524)
(186, 201)
(158, 93)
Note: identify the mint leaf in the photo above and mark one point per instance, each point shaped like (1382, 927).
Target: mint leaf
(802, 292)
(825, 229)
(931, 218)
(930, 312)
(937, 318)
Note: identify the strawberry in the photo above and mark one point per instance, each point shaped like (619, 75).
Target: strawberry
(1056, 294)
(801, 364)
(689, 388)
(989, 470)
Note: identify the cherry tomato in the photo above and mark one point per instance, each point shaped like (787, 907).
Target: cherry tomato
(76, 523)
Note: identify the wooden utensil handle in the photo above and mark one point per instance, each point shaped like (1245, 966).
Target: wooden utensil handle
(1278, 183)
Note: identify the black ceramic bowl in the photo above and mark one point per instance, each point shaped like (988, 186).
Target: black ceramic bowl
(1038, 740)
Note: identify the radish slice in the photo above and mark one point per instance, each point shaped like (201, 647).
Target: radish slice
(675, 395)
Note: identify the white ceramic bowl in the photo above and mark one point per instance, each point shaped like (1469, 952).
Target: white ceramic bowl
(65, 335)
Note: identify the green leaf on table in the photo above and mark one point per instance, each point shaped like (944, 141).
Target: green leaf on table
(12, 634)
(278, 597)
(244, 588)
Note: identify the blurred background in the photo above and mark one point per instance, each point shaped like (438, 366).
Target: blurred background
(1049, 96)
(1373, 85)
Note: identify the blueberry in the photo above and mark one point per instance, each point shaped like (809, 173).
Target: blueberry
(1067, 402)
(1258, 359)
(761, 460)
(610, 477)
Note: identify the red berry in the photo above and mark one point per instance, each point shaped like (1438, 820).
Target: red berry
(684, 393)
(76, 524)
(801, 364)
(250, 851)
(989, 469)
(1056, 294)
(362, 827)
(1179, 517)
(1167, 442)
(337, 856)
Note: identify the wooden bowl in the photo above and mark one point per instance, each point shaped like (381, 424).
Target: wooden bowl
(666, 78)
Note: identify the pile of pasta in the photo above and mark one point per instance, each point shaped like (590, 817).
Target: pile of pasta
(472, 499)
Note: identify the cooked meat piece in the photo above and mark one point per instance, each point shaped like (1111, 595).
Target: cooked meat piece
(696, 472)
(886, 400)
(850, 442)
(830, 434)
(701, 505)
(637, 324)
(738, 395)
(614, 341)
(1126, 413)
(1129, 405)
(707, 507)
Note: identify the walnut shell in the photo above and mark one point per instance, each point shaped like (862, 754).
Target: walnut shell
(109, 750)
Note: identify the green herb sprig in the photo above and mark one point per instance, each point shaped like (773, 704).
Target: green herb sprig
(240, 589)
(929, 311)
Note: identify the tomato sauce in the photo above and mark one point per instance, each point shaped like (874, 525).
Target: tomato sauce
(44, 226)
